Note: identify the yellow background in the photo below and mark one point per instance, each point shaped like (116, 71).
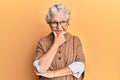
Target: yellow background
(96, 22)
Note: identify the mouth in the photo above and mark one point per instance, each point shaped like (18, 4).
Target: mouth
(58, 31)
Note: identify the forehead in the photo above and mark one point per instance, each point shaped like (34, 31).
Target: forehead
(59, 17)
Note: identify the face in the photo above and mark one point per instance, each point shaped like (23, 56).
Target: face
(59, 22)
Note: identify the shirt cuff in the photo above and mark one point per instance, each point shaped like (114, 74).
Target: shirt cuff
(36, 65)
(77, 68)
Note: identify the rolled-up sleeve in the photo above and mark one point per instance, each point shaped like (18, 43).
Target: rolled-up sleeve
(77, 68)
(36, 65)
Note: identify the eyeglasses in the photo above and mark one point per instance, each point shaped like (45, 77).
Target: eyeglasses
(55, 23)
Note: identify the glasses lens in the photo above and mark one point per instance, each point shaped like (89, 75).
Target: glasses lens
(55, 24)
(63, 23)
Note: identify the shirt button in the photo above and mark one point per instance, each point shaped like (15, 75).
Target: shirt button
(59, 52)
(65, 42)
(59, 46)
(59, 58)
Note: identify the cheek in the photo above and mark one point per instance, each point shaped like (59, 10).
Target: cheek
(53, 29)
(65, 29)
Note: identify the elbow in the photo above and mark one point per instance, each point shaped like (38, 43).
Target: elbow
(38, 67)
(43, 71)
(77, 68)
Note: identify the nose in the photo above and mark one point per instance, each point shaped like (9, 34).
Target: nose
(58, 26)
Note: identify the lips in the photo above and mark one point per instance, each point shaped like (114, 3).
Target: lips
(59, 31)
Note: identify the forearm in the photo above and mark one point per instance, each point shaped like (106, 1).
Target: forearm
(57, 73)
(46, 60)
(62, 72)
(75, 68)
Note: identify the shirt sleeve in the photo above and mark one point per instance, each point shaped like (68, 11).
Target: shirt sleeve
(77, 68)
(39, 50)
(39, 53)
(36, 65)
(80, 57)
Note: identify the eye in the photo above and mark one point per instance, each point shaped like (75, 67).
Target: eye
(53, 22)
(63, 23)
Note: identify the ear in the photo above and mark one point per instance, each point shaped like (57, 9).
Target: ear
(68, 23)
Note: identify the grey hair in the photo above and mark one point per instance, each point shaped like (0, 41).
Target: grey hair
(56, 9)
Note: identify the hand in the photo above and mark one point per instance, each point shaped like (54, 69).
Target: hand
(48, 74)
(59, 38)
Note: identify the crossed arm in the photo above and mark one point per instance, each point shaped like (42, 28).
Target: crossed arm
(42, 69)
(45, 61)
(57, 73)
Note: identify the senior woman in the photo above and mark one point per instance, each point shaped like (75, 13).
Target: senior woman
(59, 54)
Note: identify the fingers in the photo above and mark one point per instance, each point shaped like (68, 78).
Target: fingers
(55, 34)
(37, 73)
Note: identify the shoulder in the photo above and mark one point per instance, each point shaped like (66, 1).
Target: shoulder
(76, 38)
(44, 39)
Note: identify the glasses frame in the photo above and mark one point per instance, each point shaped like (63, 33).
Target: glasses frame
(57, 23)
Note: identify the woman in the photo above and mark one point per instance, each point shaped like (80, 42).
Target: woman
(59, 54)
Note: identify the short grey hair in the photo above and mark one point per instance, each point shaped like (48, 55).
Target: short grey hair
(56, 9)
